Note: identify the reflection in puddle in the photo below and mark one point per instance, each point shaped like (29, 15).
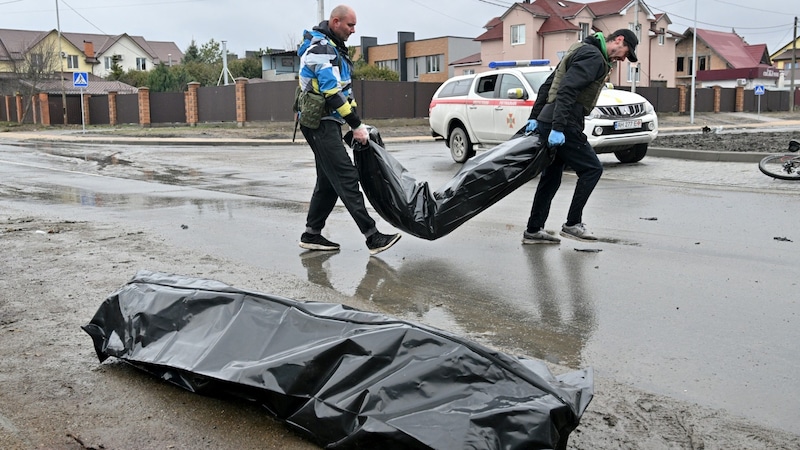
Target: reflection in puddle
(552, 318)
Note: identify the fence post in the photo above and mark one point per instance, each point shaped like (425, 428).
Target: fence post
(241, 101)
(20, 111)
(144, 106)
(112, 108)
(717, 98)
(44, 108)
(681, 99)
(190, 96)
(739, 99)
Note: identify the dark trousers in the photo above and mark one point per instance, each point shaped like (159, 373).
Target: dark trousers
(580, 156)
(337, 178)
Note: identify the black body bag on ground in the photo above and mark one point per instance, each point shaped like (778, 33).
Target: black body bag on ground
(344, 378)
(483, 180)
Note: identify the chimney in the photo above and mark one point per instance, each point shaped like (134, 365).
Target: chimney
(88, 49)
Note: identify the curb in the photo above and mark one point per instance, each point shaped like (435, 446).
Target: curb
(660, 152)
(705, 155)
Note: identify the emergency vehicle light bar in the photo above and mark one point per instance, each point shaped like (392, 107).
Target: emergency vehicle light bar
(520, 63)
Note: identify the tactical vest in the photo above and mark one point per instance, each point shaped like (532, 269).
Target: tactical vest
(587, 97)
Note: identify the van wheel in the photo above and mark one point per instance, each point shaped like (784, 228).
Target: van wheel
(460, 146)
(633, 154)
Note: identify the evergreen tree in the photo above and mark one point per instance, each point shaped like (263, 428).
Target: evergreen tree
(192, 54)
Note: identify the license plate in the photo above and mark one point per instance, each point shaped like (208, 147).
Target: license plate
(627, 124)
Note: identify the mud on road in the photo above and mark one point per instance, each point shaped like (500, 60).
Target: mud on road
(54, 393)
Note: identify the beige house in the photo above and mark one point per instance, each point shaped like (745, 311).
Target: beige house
(83, 52)
(545, 29)
(723, 59)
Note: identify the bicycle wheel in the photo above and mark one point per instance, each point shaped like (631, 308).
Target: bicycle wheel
(782, 167)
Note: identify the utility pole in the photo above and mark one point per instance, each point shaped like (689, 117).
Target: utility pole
(320, 10)
(638, 36)
(794, 67)
(61, 63)
(693, 62)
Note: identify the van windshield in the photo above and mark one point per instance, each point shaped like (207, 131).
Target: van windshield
(535, 79)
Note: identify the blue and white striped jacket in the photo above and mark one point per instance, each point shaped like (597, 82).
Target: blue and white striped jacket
(325, 67)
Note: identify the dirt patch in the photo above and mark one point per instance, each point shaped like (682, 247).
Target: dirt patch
(741, 141)
(56, 395)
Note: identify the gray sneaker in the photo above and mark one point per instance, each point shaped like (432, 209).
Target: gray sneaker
(540, 237)
(577, 232)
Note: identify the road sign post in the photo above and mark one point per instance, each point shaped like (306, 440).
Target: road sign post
(759, 91)
(81, 80)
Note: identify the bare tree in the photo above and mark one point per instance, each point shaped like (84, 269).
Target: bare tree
(36, 66)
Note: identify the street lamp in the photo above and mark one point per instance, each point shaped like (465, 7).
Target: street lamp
(61, 63)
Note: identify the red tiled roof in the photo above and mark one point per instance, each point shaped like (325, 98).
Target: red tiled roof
(554, 13)
(608, 7)
(730, 47)
(494, 32)
(471, 59)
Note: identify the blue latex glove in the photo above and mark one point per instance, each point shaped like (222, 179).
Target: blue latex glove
(531, 126)
(556, 138)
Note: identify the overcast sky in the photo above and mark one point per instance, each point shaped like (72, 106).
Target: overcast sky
(254, 24)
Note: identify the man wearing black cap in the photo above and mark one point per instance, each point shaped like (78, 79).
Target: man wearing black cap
(566, 97)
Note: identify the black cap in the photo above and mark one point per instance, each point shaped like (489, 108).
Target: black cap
(630, 40)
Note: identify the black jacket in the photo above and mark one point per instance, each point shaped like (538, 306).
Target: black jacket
(586, 65)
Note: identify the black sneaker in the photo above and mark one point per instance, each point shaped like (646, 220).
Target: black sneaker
(310, 241)
(379, 242)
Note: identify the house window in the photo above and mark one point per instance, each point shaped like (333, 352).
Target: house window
(469, 72)
(433, 63)
(584, 31)
(141, 64)
(72, 61)
(702, 62)
(633, 72)
(691, 65)
(389, 64)
(415, 64)
(679, 67)
(108, 62)
(636, 30)
(37, 61)
(517, 34)
(662, 36)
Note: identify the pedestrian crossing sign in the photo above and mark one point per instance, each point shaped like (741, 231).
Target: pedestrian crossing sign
(759, 89)
(80, 79)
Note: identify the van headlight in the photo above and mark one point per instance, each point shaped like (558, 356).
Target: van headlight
(648, 108)
(595, 114)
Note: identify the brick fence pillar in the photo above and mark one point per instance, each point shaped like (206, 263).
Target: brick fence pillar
(85, 99)
(241, 101)
(190, 96)
(682, 99)
(20, 111)
(717, 97)
(44, 108)
(739, 98)
(144, 106)
(112, 107)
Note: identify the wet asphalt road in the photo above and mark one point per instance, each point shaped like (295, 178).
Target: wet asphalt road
(692, 291)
